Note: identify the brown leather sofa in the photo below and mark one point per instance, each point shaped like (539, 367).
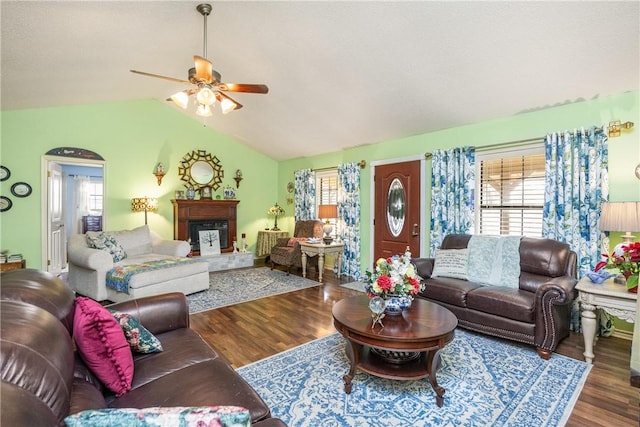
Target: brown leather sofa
(43, 380)
(290, 255)
(537, 313)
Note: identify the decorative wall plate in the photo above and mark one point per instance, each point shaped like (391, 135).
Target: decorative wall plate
(5, 204)
(5, 173)
(21, 189)
(638, 171)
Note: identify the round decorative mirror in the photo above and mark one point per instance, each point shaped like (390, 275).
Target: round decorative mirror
(200, 169)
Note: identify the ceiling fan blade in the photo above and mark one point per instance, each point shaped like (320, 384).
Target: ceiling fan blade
(172, 79)
(241, 87)
(203, 69)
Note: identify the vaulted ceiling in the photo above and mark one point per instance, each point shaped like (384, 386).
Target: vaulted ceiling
(340, 73)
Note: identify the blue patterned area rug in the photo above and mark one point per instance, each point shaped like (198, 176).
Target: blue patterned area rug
(236, 286)
(488, 382)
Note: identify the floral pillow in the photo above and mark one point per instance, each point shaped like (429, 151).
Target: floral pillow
(224, 416)
(106, 242)
(138, 337)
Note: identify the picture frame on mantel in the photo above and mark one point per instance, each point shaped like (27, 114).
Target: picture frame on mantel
(209, 242)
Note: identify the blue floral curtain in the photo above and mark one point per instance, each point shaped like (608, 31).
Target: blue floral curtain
(453, 183)
(576, 185)
(349, 217)
(305, 194)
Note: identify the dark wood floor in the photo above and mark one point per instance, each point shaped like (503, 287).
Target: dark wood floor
(251, 331)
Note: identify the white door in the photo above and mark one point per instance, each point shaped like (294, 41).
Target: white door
(57, 247)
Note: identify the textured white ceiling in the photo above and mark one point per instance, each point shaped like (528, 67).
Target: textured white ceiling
(340, 73)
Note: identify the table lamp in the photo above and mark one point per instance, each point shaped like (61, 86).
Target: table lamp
(621, 216)
(327, 212)
(276, 211)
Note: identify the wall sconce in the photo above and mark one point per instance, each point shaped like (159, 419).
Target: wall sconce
(238, 177)
(144, 204)
(159, 172)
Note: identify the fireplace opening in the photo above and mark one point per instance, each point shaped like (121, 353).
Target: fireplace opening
(195, 226)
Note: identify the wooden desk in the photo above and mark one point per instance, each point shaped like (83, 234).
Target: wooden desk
(607, 296)
(267, 239)
(320, 249)
(8, 266)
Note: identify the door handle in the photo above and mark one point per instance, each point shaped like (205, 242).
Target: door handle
(416, 230)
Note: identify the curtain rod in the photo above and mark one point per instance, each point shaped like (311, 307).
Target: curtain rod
(613, 130)
(362, 165)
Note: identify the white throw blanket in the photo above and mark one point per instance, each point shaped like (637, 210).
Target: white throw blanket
(494, 260)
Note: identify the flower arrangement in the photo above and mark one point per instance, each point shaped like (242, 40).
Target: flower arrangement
(394, 276)
(626, 258)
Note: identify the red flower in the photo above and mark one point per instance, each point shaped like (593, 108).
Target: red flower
(385, 283)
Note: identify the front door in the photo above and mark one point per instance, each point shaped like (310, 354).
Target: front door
(397, 209)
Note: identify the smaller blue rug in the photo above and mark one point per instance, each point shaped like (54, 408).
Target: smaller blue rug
(488, 382)
(236, 286)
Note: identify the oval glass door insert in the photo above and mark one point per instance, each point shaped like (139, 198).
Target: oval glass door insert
(396, 207)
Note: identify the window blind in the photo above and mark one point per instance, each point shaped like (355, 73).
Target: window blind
(512, 195)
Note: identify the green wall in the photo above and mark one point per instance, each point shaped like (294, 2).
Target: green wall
(132, 137)
(624, 151)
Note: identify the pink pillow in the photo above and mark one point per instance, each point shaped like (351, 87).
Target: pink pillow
(292, 240)
(102, 345)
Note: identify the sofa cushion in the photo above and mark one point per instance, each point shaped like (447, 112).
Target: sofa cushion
(448, 290)
(450, 263)
(502, 301)
(102, 345)
(135, 242)
(224, 416)
(153, 277)
(106, 242)
(139, 338)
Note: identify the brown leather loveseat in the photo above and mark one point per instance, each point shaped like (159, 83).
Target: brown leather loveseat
(538, 312)
(44, 379)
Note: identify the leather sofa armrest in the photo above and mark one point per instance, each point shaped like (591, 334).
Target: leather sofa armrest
(424, 266)
(91, 259)
(158, 313)
(563, 285)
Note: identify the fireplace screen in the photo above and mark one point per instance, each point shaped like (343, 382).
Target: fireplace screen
(195, 226)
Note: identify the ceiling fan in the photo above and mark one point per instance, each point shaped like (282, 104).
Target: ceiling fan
(208, 85)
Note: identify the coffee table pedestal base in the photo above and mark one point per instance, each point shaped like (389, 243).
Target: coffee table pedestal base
(426, 365)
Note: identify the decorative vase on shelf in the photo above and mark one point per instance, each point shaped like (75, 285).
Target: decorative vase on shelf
(396, 304)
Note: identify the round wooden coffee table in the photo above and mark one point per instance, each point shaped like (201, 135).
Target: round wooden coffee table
(408, 346)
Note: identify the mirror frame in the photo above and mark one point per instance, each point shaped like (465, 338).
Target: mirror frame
(187, 162)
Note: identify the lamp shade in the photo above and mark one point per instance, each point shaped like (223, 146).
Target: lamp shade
(144, 204)
(328, 211)
(620, 216)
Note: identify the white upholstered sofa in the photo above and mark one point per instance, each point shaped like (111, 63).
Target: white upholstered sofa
(88, 267)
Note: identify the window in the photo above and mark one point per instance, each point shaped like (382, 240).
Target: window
(511, 191)
(94, 199)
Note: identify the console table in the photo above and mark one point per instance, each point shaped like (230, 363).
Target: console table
(320, 249)
(267, 239)
(607, 296)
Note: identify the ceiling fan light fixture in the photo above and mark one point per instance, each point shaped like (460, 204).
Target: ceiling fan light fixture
(227, 105)
(204, 111)
(206, 96)
(181, 99)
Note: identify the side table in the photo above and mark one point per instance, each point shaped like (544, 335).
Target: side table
(607, 296)
(267, 239)
(320, 249)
